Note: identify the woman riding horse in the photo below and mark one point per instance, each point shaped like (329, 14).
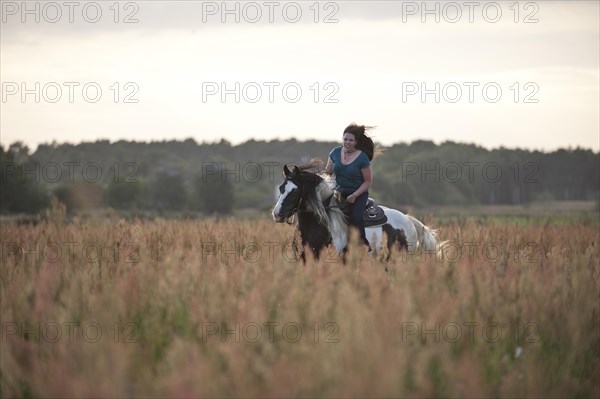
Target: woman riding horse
(351, 164)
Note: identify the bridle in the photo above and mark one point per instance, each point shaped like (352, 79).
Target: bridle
(290, 219)
(295, 210)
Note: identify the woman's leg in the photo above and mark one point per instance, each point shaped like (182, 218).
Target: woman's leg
(356, 215)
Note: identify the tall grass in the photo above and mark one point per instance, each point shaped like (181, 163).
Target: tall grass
(199, 308)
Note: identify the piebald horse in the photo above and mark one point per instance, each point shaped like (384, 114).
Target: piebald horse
(321, 220)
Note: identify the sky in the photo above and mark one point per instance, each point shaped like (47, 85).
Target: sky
(506, 73)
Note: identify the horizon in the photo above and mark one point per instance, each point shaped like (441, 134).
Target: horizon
(523, 75)
(267, 141)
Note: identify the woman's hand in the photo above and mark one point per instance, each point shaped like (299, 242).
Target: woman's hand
(351, 198)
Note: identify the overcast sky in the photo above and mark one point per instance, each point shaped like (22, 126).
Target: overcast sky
(496, 73)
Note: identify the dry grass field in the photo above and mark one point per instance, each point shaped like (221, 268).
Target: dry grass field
(189, 308)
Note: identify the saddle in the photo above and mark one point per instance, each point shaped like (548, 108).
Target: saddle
(373, 215)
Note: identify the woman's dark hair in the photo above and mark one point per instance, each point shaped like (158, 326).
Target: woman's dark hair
(363, 142)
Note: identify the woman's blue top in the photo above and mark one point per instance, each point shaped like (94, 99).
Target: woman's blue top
(348, 177)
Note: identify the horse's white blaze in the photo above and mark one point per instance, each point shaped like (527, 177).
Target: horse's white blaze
(289, 186)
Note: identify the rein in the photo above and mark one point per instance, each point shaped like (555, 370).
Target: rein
(290, 219)
(331, 206)
(327, 207)
(337, 205)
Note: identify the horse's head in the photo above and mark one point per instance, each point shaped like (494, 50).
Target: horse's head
(290, 195)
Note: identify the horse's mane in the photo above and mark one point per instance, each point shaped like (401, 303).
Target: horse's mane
(321, 189)
(315, 166)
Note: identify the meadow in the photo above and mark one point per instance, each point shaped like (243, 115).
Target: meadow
(205, 308)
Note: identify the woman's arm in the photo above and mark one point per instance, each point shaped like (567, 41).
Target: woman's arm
(329, 167)
(368, 177)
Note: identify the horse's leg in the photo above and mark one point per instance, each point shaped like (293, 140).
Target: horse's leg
(301, 250)
(375, 239)
(391, 239)
(316, 252)
(395, 238)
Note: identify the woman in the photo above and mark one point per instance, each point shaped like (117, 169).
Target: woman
(351, 164)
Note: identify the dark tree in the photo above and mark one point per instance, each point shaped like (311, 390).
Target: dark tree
(215, 192)
(168, 190)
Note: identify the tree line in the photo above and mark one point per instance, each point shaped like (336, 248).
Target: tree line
(216, 177)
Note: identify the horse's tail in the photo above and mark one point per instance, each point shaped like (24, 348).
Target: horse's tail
(427, 237)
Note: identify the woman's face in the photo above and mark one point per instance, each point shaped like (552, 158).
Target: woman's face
(349, 142)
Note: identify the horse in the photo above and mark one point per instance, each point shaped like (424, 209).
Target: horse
(322, 221)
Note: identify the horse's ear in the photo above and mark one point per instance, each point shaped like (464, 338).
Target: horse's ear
(296, 170)
(286, 171)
